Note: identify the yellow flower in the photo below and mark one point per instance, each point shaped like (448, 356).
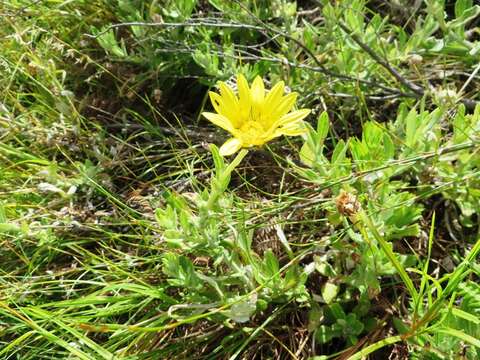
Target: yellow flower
(255, 117)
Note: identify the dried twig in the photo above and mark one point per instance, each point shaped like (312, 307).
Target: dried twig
(397, 162)
(408, 84)
(320, 66)
(180, 24)
(264, 30)
(418, 91)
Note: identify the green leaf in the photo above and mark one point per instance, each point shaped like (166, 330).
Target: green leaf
(314, 316)
(337, 311)
(323, 267)
(329, 292)
(109, 43)
(323, 126)
(461, 6)
(411, 128)
(306, 154)
(292, 278)
(271, 263)
(353, 326)
(467, 15)
(186, 7)
(217, 4)
(180, 270)
(325, 334)
(362, 354)
(208, 61)
(388, 147)
(400, 326)
(338, 155)
(242, 311)
(9, 228)
(461, 335)
(465, 315)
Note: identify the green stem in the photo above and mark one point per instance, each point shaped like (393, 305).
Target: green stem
(375, 346)
(458, 275)
(364, 219)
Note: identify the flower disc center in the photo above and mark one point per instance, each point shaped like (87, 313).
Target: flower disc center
(252, 132)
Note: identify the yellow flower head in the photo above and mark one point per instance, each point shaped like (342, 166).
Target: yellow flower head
(255, 117)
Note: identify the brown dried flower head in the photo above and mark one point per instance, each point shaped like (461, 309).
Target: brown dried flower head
(347, 204)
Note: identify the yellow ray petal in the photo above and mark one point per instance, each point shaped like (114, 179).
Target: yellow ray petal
(292, 132)
(225, 108)
(274, 96)
(245, 100)
(243, 89)
(220, 121)
(228, 95)
(217, 102)
(293, 117)
(230, 146)
(258, 91)
(285, 105)
(226, 91)
(293, 129)
(229, 104)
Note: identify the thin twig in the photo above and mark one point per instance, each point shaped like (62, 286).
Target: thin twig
(408, 84)
(180, 24)
(472, 76)
(411, 160)
(320, 66)
(253, 57)
(309, 11)
(417, 90)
